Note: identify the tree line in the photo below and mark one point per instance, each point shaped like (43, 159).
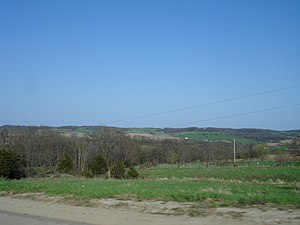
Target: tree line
(105, 151)
(42, 149)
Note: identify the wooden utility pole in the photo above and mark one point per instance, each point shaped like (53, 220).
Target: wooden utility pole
(234, 151)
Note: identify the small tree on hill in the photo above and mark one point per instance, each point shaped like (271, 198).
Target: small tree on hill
(260, 151)
(11, 165)
(65, 164)
(99, 165)
(118, 170)
(132, 173)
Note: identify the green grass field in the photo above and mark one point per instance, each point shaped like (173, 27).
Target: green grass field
(245, 174)
(223, 187)
(213, 136)
(154, 131)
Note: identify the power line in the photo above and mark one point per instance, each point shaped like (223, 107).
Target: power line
(204, 104)
(237, 115)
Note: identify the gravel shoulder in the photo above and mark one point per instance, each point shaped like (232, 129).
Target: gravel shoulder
(129, 212)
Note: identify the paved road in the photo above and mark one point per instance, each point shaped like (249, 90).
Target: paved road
(9, 218)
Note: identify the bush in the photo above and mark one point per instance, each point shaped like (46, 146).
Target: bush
(132, 173)
(11, 165)
(99, 165)
(30, 172)
(87, 174)
(40, 172)
(65, 164)
(118, 170)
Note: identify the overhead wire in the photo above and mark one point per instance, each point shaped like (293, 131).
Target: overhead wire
(237, 115)
(202, 105)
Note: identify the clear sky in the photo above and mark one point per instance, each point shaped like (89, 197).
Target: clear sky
(71, 62)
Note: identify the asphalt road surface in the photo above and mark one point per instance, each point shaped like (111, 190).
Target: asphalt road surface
(9, 218)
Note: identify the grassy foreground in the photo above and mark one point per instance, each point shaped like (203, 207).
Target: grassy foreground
(221, 187)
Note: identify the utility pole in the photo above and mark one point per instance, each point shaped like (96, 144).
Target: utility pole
(234, 151)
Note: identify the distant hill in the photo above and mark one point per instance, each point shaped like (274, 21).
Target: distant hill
(261, 135)
(243, 136)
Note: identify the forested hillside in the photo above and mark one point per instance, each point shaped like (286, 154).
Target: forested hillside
(99, 150)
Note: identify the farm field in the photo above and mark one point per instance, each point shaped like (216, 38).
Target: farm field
(191, 135)
(149, 132)
(212, 136)
(278, 186)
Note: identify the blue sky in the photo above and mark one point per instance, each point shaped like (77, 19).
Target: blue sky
(94, 62)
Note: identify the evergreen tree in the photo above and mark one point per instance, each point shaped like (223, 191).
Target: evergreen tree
(65, 164)
(11, 165)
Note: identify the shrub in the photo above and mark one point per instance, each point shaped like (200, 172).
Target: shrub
(99, 165)
(11, 165)
(65, 164)
(30, 172)
(132, 173)
(87, 173)
(118, 170)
